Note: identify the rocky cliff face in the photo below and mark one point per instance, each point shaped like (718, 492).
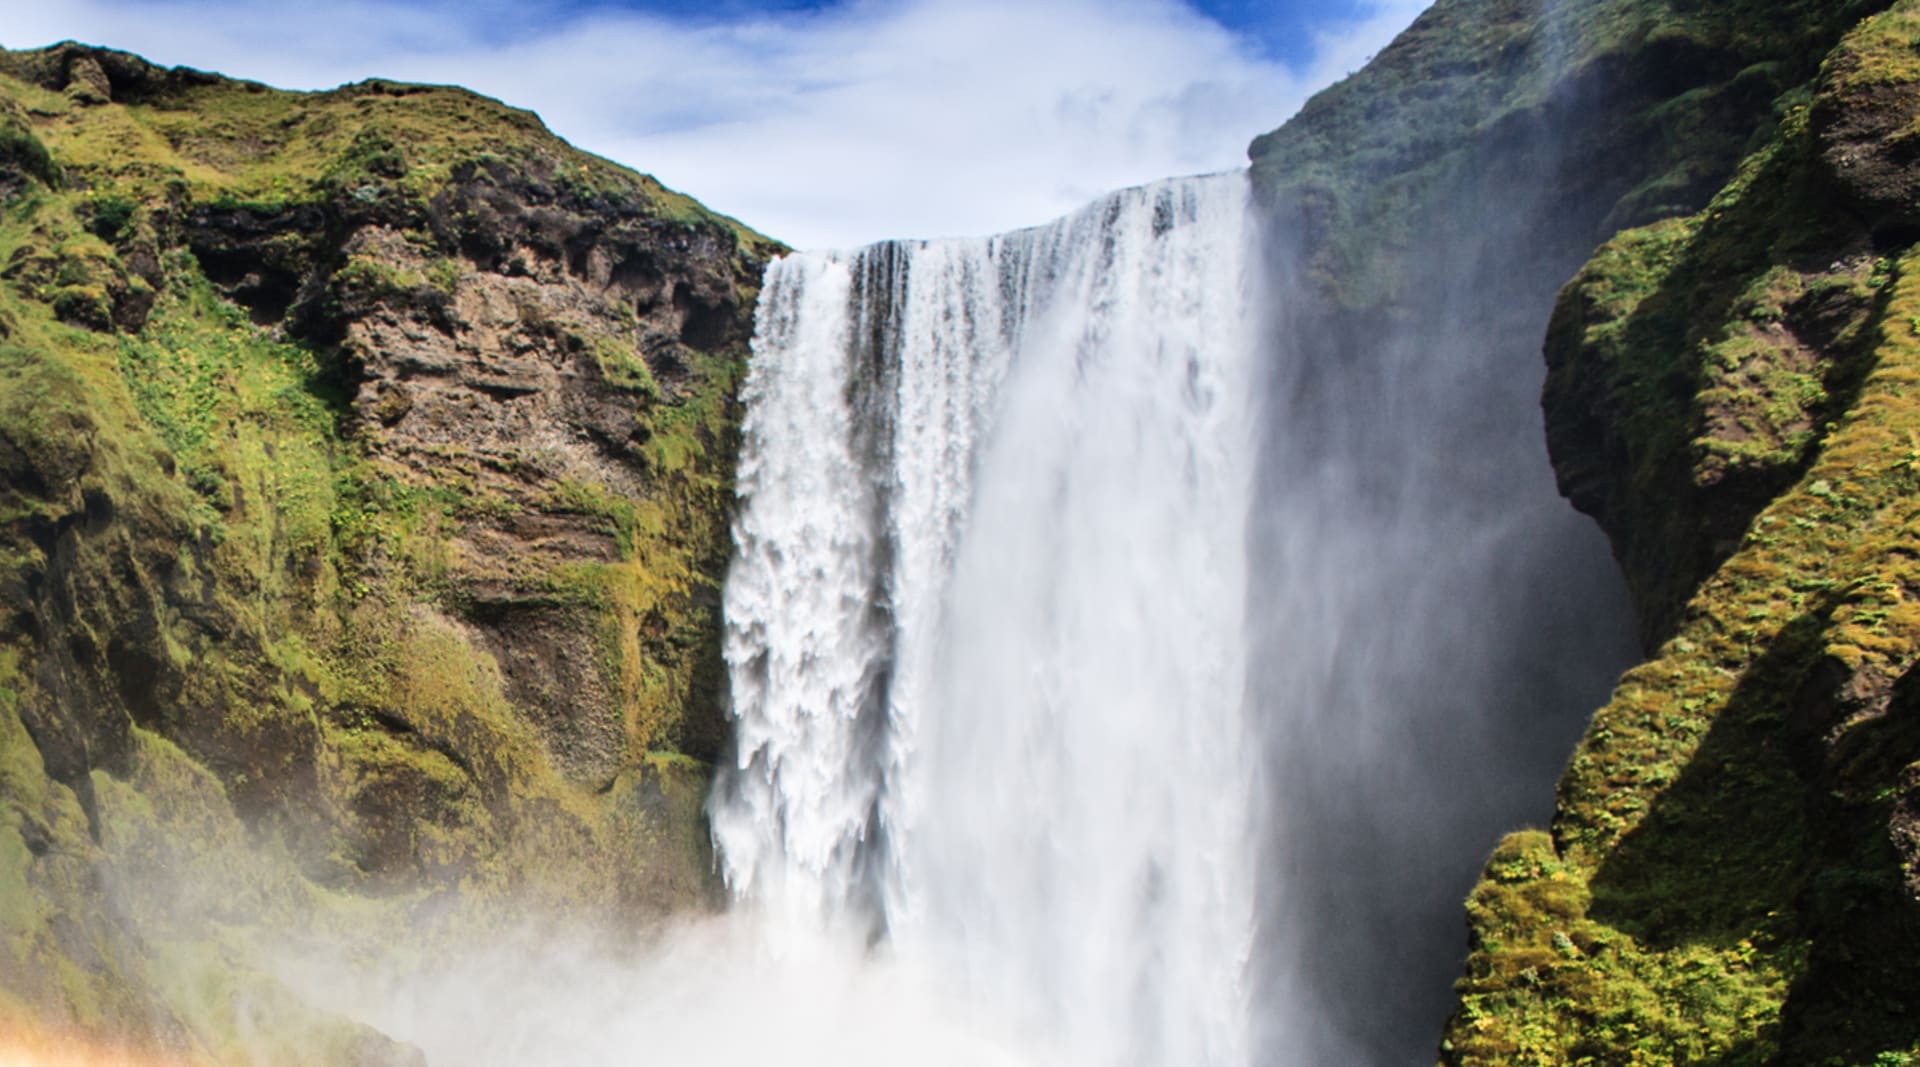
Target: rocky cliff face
(365, 469)
(1730, 875)
(1724, 880)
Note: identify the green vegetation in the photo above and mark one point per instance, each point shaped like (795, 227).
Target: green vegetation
(1686, 867)
(20, 148)
(1694, 365)
(624, 369)
(1730, 874)
(279, 602)
(221, 393)
(236, 145)
(1369, 162)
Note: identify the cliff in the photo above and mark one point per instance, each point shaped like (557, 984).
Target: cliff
(1729, 876)
(1732, 873)
(365, 470)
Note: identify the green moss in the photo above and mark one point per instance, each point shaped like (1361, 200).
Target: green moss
(212, 385)
(109, 216)
(312, 716)
(622, 368)
(377, 277)
(1699, 361)
(1373, 160)
(1879, 53)
(419, 811)
(382, 144)
(19, 147)
(649, 648)
(1695, 902)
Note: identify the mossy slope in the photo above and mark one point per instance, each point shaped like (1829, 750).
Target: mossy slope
(365, 461)
(1423, 215)
(1733, 870)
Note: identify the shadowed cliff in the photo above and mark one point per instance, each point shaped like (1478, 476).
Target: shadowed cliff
(1465, 621)
(1730, 872)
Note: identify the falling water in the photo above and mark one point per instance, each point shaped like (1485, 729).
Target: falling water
(985, 620)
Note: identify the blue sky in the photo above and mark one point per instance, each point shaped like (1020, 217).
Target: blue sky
(1281, 29)
(821, 123)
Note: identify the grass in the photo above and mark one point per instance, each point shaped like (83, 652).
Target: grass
(1698, 361)
(1684, 845)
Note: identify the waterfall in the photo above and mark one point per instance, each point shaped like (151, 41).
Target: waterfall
(986, 619)
(1103, 695)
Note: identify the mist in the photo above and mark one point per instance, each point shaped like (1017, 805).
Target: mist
(736, 989)
(1434, 624)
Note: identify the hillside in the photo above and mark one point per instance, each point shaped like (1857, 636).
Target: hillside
(365, 470)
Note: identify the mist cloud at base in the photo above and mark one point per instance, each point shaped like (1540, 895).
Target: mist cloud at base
(733, 989)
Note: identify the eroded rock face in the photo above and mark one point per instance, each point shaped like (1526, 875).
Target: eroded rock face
(532, 362)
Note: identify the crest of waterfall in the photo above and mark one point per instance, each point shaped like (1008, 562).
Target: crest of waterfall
(985, 618)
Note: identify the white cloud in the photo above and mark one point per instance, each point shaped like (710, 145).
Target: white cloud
(876, 118)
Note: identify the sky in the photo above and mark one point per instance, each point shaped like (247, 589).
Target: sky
(824, 123)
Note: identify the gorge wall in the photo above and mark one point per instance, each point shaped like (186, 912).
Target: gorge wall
(1422, 216)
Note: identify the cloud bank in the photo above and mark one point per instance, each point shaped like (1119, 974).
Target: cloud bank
(866, 120)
